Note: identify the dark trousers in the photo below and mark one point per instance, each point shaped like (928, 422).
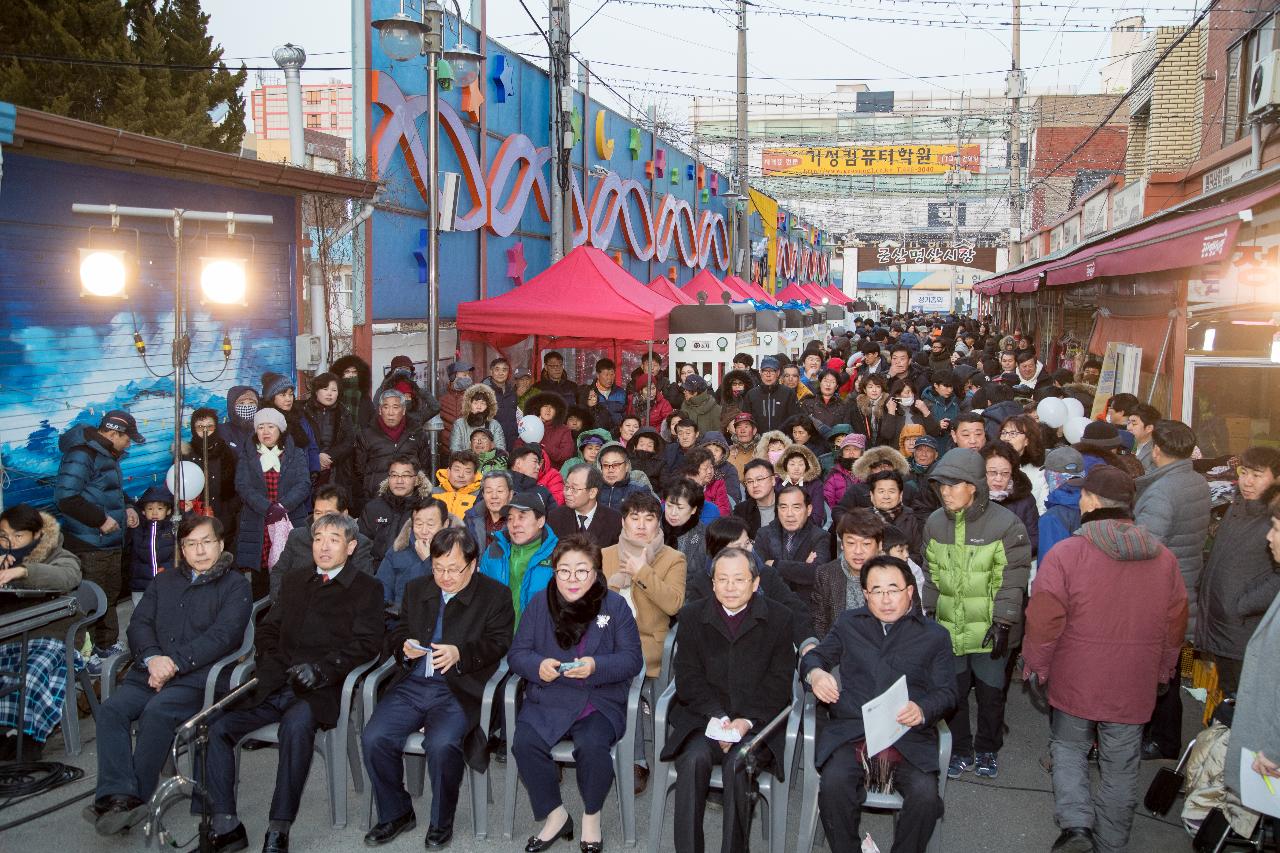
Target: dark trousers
(103, 568)
(1228, 674)
(990, 716)
(592, 738)
(407, 707)
(297, 740)
(1109, 811)
(843, 790)
(693, 779)
(1165, 727)
(259, 582)
(132, 768)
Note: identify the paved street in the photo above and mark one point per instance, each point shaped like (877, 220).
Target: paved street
(1012, 813)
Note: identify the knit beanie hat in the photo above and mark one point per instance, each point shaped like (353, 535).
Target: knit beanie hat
(270, 416)
(273, 384)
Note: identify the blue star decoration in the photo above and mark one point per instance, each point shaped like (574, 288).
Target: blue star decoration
(420, 255)
(501, 78)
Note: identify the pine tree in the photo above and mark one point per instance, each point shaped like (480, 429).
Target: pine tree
(118, 85)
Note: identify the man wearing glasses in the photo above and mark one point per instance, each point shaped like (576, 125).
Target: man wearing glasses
(875, 645)
(186, 620)
(386, 512)
(455, 628)
(615, 468)
(760, 507)
(582, 511)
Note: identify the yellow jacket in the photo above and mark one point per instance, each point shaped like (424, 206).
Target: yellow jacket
(457, 500)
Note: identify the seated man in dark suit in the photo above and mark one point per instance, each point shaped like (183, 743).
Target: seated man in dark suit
(455, 627)
(326, 623)
(734, 663)
(582, 510)
(297, 547)
(874, 646)
(792, 543)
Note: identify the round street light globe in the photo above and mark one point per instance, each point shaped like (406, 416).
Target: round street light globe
(400, 36)
(223, 280)
(102, 272)
(465, 63)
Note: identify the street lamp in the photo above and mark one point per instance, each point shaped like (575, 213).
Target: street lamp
(403, 39)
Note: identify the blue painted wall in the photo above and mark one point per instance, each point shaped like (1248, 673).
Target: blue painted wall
(66, 360)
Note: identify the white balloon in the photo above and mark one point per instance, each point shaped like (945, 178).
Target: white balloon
(1052, 412)
(1075, 409)
(192, 480)
(1074, 429)
(531, 429)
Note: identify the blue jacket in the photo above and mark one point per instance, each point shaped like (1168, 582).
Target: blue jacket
(294, 496)
(495, 561)
(194, 622)
(151, 542)
(551, 708)
(940, 410)
(401, 565)
(237, 433)
(89, 486)
(1061, 515)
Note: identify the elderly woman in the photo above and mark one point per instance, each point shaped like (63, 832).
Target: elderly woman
(274, 485)
(578, 649)
(32, 557)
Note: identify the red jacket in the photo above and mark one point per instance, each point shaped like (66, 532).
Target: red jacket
(1105, 622)
(557, 441)
(550, 477)
(659, 408)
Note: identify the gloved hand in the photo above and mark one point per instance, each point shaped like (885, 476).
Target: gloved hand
(305, 676)
(998, 639)
(276, 512)
(1163, 688)
(1039, 691)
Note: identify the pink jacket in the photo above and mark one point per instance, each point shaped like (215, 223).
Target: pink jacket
(838, 480)
(716, 493)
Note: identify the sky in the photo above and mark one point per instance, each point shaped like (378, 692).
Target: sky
(670, 50)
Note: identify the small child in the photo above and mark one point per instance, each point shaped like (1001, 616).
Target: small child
(895, 545)
(151, 542)
(491, 457)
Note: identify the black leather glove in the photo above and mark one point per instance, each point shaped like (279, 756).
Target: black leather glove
(998, 639)
(1039, 691)
(1163, 688)
(305, 676)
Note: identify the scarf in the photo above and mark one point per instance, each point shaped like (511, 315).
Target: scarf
(671, 535)
(572, 618)
(394, 433)
(269, 457)
(349, 397)
(647, 552)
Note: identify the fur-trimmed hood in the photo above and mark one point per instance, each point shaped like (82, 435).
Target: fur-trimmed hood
(533, 405)
(725, 393)
(762, 443)
(864, 405)
(363, 372)
(812, 470)
(877, 456)
(479, 389)
(421, 486)
(50, 539)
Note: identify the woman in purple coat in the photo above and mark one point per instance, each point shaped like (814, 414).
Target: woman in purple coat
(578, 650)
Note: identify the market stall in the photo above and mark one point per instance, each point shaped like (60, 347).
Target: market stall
(663, 287)
(708, 337)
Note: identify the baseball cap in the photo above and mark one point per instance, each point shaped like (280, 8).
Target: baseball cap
(522, 373)
(1065, 460)
(769, 363)
(530, 501)
(927, 441)
(744, 417)
(118, 420)
(460, 367)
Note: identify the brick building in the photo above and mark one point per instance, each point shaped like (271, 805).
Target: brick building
(1063, 122)
(1165, 112)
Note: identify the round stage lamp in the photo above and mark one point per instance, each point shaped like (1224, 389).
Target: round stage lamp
(223, 280)
(102, 272)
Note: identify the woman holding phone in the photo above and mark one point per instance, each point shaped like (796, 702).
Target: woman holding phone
(578, 649)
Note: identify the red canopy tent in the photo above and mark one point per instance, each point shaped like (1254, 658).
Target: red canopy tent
(793, 291)
(664, 288)
(710, 285)
(584, 301)
(815, 291)
(749, 289)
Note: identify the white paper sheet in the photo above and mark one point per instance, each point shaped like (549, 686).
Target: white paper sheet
(718, 729)
(880, 718)
(1254, 792)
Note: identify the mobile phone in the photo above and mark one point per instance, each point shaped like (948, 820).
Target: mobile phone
(570, 664)
(414, 644)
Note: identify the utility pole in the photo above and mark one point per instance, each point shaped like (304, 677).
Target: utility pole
(955, 205)
(742, 239)
(561, 106)
(1015, 141)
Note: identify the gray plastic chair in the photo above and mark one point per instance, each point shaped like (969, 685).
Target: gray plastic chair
(92, 602)
(337, 747)
(773, 792)
(415, 757)
(809, 825)
(623, 753)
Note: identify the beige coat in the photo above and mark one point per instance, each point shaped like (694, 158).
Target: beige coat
(657, 592)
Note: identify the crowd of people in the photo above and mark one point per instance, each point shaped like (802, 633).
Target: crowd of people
(888, 504)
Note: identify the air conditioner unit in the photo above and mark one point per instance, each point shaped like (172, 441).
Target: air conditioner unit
(1264, 84)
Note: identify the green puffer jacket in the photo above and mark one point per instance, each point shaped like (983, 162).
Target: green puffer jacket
(977, 561)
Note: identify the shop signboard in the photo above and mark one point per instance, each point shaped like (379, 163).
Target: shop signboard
(824, 161)
(1095, 215)
(1249, 277)
(1126, 204)
(1121, 373)
(1227, 174)
(929, 301)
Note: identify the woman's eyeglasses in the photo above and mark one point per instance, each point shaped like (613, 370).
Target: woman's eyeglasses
(573, 574)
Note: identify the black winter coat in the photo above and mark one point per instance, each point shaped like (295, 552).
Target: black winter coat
(373, 454)
(1240, 580)
(385, 514)
(335, 437)
(294, 496)
(1023, 504)
(697, 587)
(193, 622)
(870, 662)
(794, 566)
(217, 460)
(336, 625)
(718, 675)
(296, 557)
(480, 620)
(771, 405)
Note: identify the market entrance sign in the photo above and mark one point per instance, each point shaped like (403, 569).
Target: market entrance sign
(871, 160)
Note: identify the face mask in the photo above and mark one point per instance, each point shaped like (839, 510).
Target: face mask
(351, 381)
(246, 411)
(462, 383)
(20, 554)
(774, 456)
(907, 401)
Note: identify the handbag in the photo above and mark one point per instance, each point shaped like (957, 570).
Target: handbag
(1166, 785)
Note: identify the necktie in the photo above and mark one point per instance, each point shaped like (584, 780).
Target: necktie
(789, 543)
(582, 522)
(324, 579)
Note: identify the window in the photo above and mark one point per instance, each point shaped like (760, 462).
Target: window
(1233, 99)
(313, 120)
(313, 97)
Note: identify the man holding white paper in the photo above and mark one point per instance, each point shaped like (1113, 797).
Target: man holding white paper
(874, 646)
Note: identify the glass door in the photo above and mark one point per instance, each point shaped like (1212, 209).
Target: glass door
(1232, 403)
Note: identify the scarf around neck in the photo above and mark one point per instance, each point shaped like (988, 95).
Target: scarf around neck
(395, 432)
(269, 457)
(647, 552)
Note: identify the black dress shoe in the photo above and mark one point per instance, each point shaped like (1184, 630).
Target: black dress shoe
(121, 813)
(229, 842)
(1151, 751)
(96, 809)
(389, 829)
(591, 846)
(439, 837)
(1074, 839)
(537, 845)
(275, 842)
